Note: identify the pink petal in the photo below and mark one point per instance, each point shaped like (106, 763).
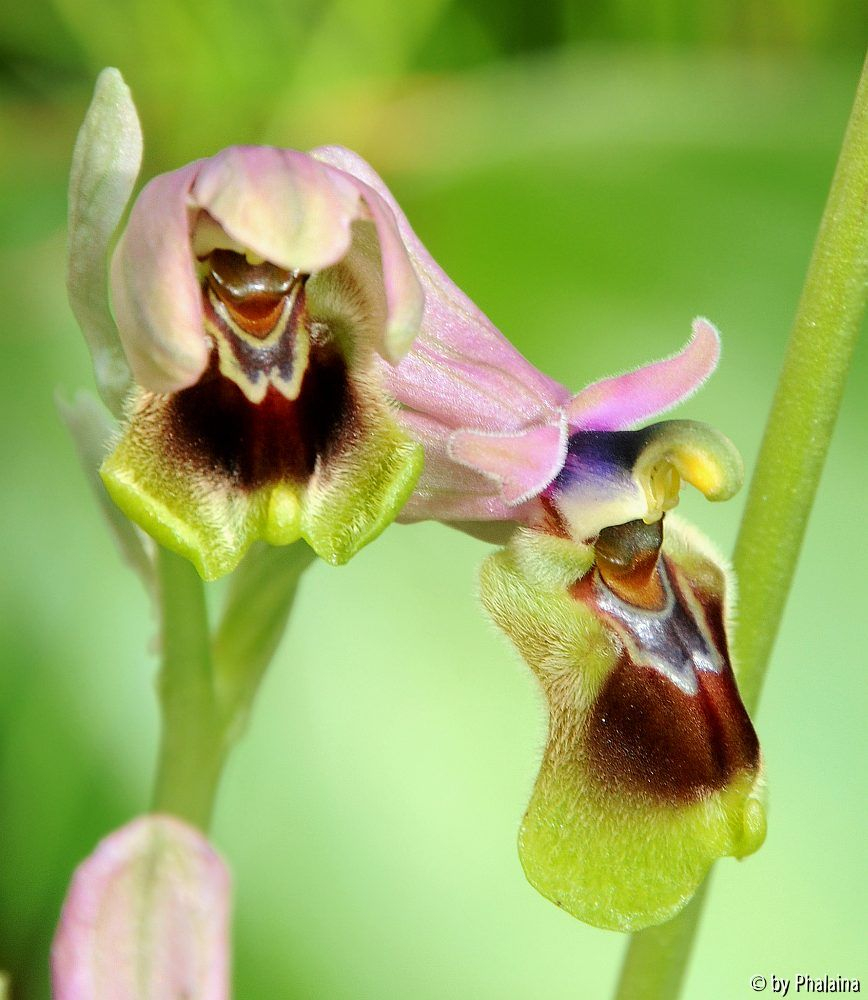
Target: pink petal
(155, 292)
(461, 370)
(524, 464)
(619, 402)
(281, 204)
(146, 918)
(466, 385)
(446, 490)
(405, 299)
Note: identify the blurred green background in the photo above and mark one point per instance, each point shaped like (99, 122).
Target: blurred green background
(594, 175)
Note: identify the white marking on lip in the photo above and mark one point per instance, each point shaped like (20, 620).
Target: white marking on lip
(674, 640)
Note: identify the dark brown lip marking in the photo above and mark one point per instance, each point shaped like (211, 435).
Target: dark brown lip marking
(214, 426)
(647, 736)
(669, 721)
(257, 361)
(673, 638)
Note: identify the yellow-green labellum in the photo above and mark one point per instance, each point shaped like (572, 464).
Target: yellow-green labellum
(652, 769)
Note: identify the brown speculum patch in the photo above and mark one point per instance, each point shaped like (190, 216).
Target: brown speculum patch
(669, 721)
(626, 557)
(274, 400)
(254, 294)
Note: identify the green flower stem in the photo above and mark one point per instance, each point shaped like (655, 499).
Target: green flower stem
(261, 595)
(192, 747)
(805, 407)
(656, 959)
(797, 436)
(207, 685)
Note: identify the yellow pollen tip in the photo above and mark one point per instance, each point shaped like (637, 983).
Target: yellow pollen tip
(683, 449)
(702, 472)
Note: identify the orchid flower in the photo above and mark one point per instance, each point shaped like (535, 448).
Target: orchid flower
(652, 768)
(147, 915)
(252, 294)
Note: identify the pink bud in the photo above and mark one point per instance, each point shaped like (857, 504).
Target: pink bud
(146, 916)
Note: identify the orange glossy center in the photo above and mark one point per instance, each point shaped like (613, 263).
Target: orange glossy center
(254, 294)
(626, 557)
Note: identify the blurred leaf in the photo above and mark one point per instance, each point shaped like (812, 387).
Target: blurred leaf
(355, 40)
(36, 138)
(36, 49)
(93, 430)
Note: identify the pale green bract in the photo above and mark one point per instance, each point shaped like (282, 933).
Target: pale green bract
(105, 164)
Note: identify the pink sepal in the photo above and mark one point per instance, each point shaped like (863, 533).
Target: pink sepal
(625, 400)
(461, 369)
(283, 206)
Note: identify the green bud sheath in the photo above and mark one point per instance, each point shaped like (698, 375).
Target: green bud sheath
(652, 769)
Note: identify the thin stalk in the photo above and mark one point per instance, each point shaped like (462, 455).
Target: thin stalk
(261, 595)
(207, 684)
(805, 408)
(656, 960)
(799, 429)
(191, 746)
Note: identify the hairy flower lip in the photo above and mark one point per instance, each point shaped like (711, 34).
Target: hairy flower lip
(652, 769)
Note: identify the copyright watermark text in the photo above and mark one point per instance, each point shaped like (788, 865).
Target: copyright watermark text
(805, 984)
